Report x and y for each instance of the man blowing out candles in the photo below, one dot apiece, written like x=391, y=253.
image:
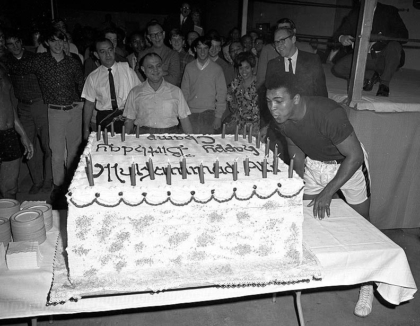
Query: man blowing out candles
x=318, y=128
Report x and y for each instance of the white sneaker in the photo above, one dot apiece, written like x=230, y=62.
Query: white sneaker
x=364, y=304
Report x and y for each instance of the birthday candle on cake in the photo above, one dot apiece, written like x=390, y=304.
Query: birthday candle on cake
x=246, y=166
x=137, y=131
x=264, y=167
x=105, y=136
x=89, y=172
x=224, y=131
x=236, y=132
x=276, y=159
x=244, y=132
x=216, y=168
x=123, y=133
x=201, y=173
x=168, y=173
x=133, y=172
x=151, y=170
x=291, y=166
x=184, y=168
x=250, y=134
x=112, y=129
x=235, y=170
x=267, y=147
x=258, y=140
x=98, y=133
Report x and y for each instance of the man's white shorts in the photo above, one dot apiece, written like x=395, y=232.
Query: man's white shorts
x=319, y=174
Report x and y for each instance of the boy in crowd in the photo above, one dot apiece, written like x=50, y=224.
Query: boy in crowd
x=204, y=88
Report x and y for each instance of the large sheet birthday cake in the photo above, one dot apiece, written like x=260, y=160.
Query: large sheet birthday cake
x=165, y=211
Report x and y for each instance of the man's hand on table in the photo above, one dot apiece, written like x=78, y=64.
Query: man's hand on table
x=321, y=204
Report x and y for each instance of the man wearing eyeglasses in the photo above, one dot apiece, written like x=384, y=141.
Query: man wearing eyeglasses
x=170, y=58
x=182, y=21
x=307, y=70
x=269, y=51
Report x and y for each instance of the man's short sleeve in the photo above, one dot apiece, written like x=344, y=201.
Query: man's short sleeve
x=183, y=109
x=89, y=92
x=130, y=111
x=337, y=126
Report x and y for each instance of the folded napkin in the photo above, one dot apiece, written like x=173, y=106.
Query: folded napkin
x=23, y=255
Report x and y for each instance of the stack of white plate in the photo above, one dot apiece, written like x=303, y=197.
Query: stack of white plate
x=5, y=232
x=8, y=207
x=46, y=210
x=28, y=225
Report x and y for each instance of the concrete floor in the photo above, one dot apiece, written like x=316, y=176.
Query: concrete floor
x=326, y=307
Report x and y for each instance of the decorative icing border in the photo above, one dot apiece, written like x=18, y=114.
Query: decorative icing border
x=144, y=200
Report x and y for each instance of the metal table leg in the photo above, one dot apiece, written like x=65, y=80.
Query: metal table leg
x=299, y=308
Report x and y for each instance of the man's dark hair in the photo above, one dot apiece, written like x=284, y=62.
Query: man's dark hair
x=136, y=33
x=287, y=81
x=52, y=32
x=203, y=40
x=176, y=32
x=109, y=30
x=244, y=37
x=150, y=55
x=289, y=31
x=12, y=33
x=215, y=38
x=102, y=40
x=286, y=21
x=245, y=57
x=153, y=23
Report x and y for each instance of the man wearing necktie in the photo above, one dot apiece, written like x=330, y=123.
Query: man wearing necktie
x=181, y=20
x=307, y=70
x=108, y=86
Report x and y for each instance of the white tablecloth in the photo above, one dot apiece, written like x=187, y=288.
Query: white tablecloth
x=350, y=249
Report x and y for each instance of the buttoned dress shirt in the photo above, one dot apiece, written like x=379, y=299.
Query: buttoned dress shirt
x=97, y=85
x=156, y=109
x=26, y=87
x=61, y=82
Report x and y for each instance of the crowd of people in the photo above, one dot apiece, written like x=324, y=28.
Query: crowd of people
x=177, y=78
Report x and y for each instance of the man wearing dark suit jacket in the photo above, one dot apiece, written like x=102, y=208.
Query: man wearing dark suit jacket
x=182, y=21
x=309, y=77
x=384, y=57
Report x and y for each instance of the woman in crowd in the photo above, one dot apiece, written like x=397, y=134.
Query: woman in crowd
x=196, y=17
x=242, y=98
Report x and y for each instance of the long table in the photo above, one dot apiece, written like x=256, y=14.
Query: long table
x=350, y=249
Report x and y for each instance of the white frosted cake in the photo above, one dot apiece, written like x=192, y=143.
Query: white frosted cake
x=172, y=231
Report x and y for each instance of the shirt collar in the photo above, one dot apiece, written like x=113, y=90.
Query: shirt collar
x=160, y=87
x=293, y=57
x=113, y=67
x=200, y=66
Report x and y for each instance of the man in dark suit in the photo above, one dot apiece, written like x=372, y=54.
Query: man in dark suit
x=309, y=76
x=182, y=21
x=384, y=57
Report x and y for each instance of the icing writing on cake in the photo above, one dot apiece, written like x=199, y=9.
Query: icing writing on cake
x=123, y=171
x=176, y=151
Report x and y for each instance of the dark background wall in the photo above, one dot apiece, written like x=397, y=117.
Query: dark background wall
x=221, y=15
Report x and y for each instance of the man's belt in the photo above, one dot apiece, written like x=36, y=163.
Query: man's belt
x=62, y=107
x=29, y=102
x=152, y=130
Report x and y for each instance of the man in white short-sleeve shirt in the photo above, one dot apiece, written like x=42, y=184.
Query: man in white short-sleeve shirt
x=156, y=105
x=97, y=86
